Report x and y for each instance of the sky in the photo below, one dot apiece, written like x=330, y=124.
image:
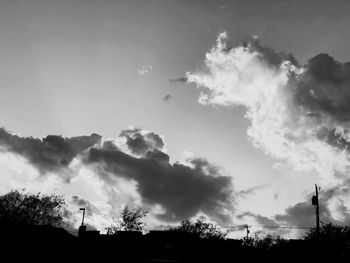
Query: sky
x=186, y=108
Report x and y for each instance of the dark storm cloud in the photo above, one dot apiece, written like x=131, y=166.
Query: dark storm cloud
x=324, y=88
x=300, y=215
x=334, y=138
x=336, y=191
x=140, y=142
x=110, y=145
x=50, y=153
x=181, y=190
x=157, y=155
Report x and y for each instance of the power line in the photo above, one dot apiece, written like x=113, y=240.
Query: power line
x=314, y=202
x=241, y=227
x=290, y=227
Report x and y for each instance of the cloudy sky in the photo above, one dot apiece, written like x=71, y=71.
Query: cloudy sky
x=228, y=110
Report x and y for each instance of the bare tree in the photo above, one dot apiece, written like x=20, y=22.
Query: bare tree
x=129, y=220
x=201, y=229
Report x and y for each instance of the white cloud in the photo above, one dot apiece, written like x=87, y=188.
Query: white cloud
x=261, y=80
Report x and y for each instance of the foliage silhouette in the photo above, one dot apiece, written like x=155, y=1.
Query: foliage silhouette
x=334, y=240
x=129, y=220
x=201, y=229
x=264, y=242
x=329, y=232
x=18, y=207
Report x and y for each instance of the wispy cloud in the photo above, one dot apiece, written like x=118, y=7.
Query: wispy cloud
x=180, y=79
x=167, y=98
x=250, y=191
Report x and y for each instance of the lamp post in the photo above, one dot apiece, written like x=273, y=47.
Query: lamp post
x=247, y=228
x=82, y=221
x=82, y=228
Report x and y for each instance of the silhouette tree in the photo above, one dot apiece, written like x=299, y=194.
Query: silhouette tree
x=129, y=220
x=334, y=240
x=201, y=229
x=264, y=242
x=18, y=207
x=329, y=232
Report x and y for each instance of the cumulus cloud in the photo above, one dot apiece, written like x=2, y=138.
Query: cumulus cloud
x=51, y=153
x=299, y=115
x=135, y=162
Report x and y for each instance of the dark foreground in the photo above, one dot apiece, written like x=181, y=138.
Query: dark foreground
x=48, y=244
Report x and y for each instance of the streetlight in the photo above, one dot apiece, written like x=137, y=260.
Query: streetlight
x=82, y=228
x=82, y=221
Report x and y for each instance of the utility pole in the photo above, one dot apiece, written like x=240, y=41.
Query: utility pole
x=315, y=203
